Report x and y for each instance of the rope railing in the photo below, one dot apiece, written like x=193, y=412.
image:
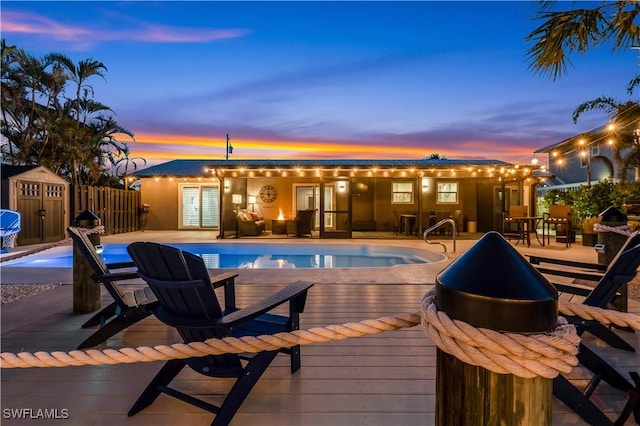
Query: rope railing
x=524, y=355
x=620, y=229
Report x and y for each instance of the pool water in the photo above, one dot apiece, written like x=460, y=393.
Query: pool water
x=257, y=256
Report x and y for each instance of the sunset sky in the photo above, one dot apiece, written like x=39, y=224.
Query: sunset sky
x=322, y=80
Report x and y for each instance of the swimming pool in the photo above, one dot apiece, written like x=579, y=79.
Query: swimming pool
x=257, y=256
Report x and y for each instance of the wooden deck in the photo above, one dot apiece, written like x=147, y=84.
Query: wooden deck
x=384, y=379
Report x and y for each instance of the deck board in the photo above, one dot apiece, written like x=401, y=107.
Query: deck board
x=382, y=379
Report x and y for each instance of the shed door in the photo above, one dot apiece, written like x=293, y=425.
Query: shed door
x=41, y=205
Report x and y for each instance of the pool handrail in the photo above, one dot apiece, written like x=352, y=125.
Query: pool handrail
x=438, y=225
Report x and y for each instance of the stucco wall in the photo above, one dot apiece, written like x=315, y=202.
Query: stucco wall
x=368, y=206
x=162, y=196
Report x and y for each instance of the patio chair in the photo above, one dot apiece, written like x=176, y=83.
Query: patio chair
x=511, y=227
x=303, y=224
x=425, y=219
x=9, y=228
x=622, y=270
x=396, y=222
x=187, y=301
x=128, y=307
x=558, y=217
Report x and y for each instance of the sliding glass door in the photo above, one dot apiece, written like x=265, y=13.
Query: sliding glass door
x=199, y=206
x=307, y=196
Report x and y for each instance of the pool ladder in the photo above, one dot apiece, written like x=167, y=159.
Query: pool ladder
x=443, y=222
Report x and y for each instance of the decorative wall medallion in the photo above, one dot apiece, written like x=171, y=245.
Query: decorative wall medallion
x=268, y=194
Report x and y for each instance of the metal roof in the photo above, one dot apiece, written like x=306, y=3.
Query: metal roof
x=197, y=167
x=571, y=139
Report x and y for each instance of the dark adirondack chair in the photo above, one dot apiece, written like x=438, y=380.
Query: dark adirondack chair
x=128, y=307
x=187, y=301
x=622, y=269
x=617, y=273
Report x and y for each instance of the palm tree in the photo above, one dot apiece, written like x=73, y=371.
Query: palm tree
x=625, y=117
x=79, y=74
x=75, y=137
x=564, y=32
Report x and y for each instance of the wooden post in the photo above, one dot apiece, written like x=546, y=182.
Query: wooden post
x=492, y=286
x=613, y=242
x=86, y=292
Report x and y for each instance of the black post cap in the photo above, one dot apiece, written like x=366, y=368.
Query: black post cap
x=87, y=218
x=613, y=215
x=493, y=286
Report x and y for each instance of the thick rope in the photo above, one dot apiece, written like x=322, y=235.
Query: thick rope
x=555, y=344
x=209, y=347
x=603, y=316
x=97, y=230
x=527, y=356
x=621, y=229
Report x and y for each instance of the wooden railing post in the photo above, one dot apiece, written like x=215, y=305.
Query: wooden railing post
x=492, y=286
x=86, y=292
x=609, y=244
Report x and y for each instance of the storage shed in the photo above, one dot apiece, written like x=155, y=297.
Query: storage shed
x=41, y=197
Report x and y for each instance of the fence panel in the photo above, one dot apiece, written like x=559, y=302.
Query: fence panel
x=118, y=209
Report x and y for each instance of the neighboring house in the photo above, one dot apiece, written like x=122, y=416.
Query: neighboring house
x=572, y=164
x=41, y=197
x=349, y=195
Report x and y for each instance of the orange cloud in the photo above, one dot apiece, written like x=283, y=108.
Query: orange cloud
x=165, y=147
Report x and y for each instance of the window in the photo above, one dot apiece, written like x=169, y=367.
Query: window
x=447, y=193
x=402, y=192
x=594, y=151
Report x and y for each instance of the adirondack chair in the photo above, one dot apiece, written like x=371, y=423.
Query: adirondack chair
x=188, y=302
x=128, y=307
x=621, y=270
x=616, y=274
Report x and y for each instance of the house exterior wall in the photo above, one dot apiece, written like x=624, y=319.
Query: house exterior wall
x=372, y=209
x=162, y=196
x=573, y=169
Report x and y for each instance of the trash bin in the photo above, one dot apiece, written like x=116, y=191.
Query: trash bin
x=472, y=226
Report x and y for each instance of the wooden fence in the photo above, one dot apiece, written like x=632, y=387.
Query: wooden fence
x=118, y=209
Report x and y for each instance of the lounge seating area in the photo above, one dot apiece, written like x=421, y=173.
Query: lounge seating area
x=250, y=223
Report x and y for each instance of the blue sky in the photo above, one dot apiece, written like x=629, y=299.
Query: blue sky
x=397, y=80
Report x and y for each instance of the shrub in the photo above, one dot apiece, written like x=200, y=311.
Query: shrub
x=590, y=201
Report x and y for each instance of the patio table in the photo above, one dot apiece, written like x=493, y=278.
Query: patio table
x=405, y=221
